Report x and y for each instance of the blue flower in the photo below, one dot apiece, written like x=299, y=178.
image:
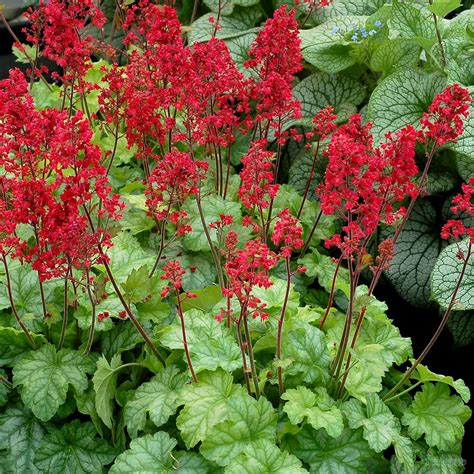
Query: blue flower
x=372, y=32
x=363, y=33
x=378, y=23
x=335, y=29
x=355, y=38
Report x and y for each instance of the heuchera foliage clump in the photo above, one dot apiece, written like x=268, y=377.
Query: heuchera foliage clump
x=161, y=279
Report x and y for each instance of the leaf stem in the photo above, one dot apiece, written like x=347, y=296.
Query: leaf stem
x=253, y=367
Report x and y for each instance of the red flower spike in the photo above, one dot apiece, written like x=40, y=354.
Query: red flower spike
x=288, y=232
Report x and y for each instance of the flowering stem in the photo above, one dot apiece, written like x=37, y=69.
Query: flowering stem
x=253, y=368
x=438, y=36
x=338, y=361
x=13, y=306
x=381, y=266
x=214, y=254
x=242, y=351
x=162, y=246
x=90, y=339
x=436, y=335
x=65, y=311
x=120, y=296
x=310, y=236
x=134, y=320
x=281, y=387
x=331, y=294
x=185, y=341
x=310, y=179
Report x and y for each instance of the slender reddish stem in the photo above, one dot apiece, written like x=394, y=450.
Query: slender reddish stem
x=281, y=387
x=185, y=340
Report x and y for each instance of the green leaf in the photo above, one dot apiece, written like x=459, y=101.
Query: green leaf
x=211, y=344
x=122, y=337
x=423, y=374
x=240, y=23
x=263, y=456
x=401, y=99
x=137, y=287
x=412, y=22
x=393, y=54
x=26, y=294
x=306, y=347
x=339, y=8
x=249, y=420
x=347, y=454
x=226, y=7
x=212, y=206
x=461, y=327
x=154, y=453
x=45, y=376
x=380, y=427
x=323, y=49
x=416, y=252
x=126, y=255
x=206, y=404
x=319, y=90
x=238, y=48
x=21, y=435
x=4, y=388
x=442, y=8
x=105, y=381
x=205, y=299
x=437, y=415
x=464, y=146
x=14, y=345
x=200, y=270
x=157, y=398
x=323, y=268
x=73, y=449
x=379, y=346
x=445, y=276
x=317, y=407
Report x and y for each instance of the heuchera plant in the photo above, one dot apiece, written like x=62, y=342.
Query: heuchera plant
x=168, y=302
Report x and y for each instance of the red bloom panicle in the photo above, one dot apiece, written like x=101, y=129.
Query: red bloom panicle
x=173, y=273
x=362, y=183
x=216, y=100
x=54, y=175
x=246, y=268
x=58, y=28
x=256, y=188
x=323, y=122
x=462, y=203
x=276, y=57
x=173, y=179
x=444, y=121
x=288, y=232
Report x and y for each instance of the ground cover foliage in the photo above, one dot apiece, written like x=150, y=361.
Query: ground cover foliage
x=195, y=213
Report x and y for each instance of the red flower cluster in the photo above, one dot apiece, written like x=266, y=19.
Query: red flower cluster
x=362, y=183
x=323, y=123
x=246, y=268
x=444, y=121
x=288, y=232
x=256, y=188
x=173, y=273
x=57, y=27
x=54, y=182
x=276, y=57
x=462, y=203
